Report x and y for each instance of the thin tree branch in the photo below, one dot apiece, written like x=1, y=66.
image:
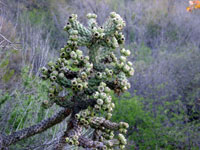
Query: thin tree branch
x=8, y=41
x=5, y=38
x=3, y=4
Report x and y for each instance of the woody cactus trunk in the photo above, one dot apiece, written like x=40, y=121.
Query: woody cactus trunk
x=89, y=81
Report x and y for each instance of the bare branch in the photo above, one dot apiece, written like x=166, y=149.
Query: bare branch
x=8, y=41
x=3, y=4
x=5, y=39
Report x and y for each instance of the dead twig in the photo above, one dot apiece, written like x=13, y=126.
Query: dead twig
x=8, y=41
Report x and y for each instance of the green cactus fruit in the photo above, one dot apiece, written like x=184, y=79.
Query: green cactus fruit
x=100, y=102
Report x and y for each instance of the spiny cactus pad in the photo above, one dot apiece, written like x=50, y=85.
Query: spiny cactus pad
x=89, y=80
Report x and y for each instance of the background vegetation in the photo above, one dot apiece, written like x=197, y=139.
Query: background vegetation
x=163, y=105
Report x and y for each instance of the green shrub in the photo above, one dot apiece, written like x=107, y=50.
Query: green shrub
x=144, y=128
x=156, y=126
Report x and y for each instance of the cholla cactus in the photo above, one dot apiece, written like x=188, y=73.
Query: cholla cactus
x=90, y=79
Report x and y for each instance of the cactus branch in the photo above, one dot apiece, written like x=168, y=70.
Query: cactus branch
x=87, y=143
x=72, y=129
x=93, y=53
x=5, y=141
x=100, y=121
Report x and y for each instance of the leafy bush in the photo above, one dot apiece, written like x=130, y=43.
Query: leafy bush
x=156, y=126
x=145, y=130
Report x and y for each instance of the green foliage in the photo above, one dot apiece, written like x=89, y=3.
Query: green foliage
x=4, y=63
x=36, y=16
x=153, y=30
x=5, y=72
x=4, y=97
x=156, y=126
x=25, y=108
x=144, y=128
x=144, y=53
x=8, y=75
x=32, y=92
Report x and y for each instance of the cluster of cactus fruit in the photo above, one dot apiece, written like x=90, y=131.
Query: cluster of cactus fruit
x=89, y=80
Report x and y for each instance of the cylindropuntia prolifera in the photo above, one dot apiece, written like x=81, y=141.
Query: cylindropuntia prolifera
x=92, y=78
